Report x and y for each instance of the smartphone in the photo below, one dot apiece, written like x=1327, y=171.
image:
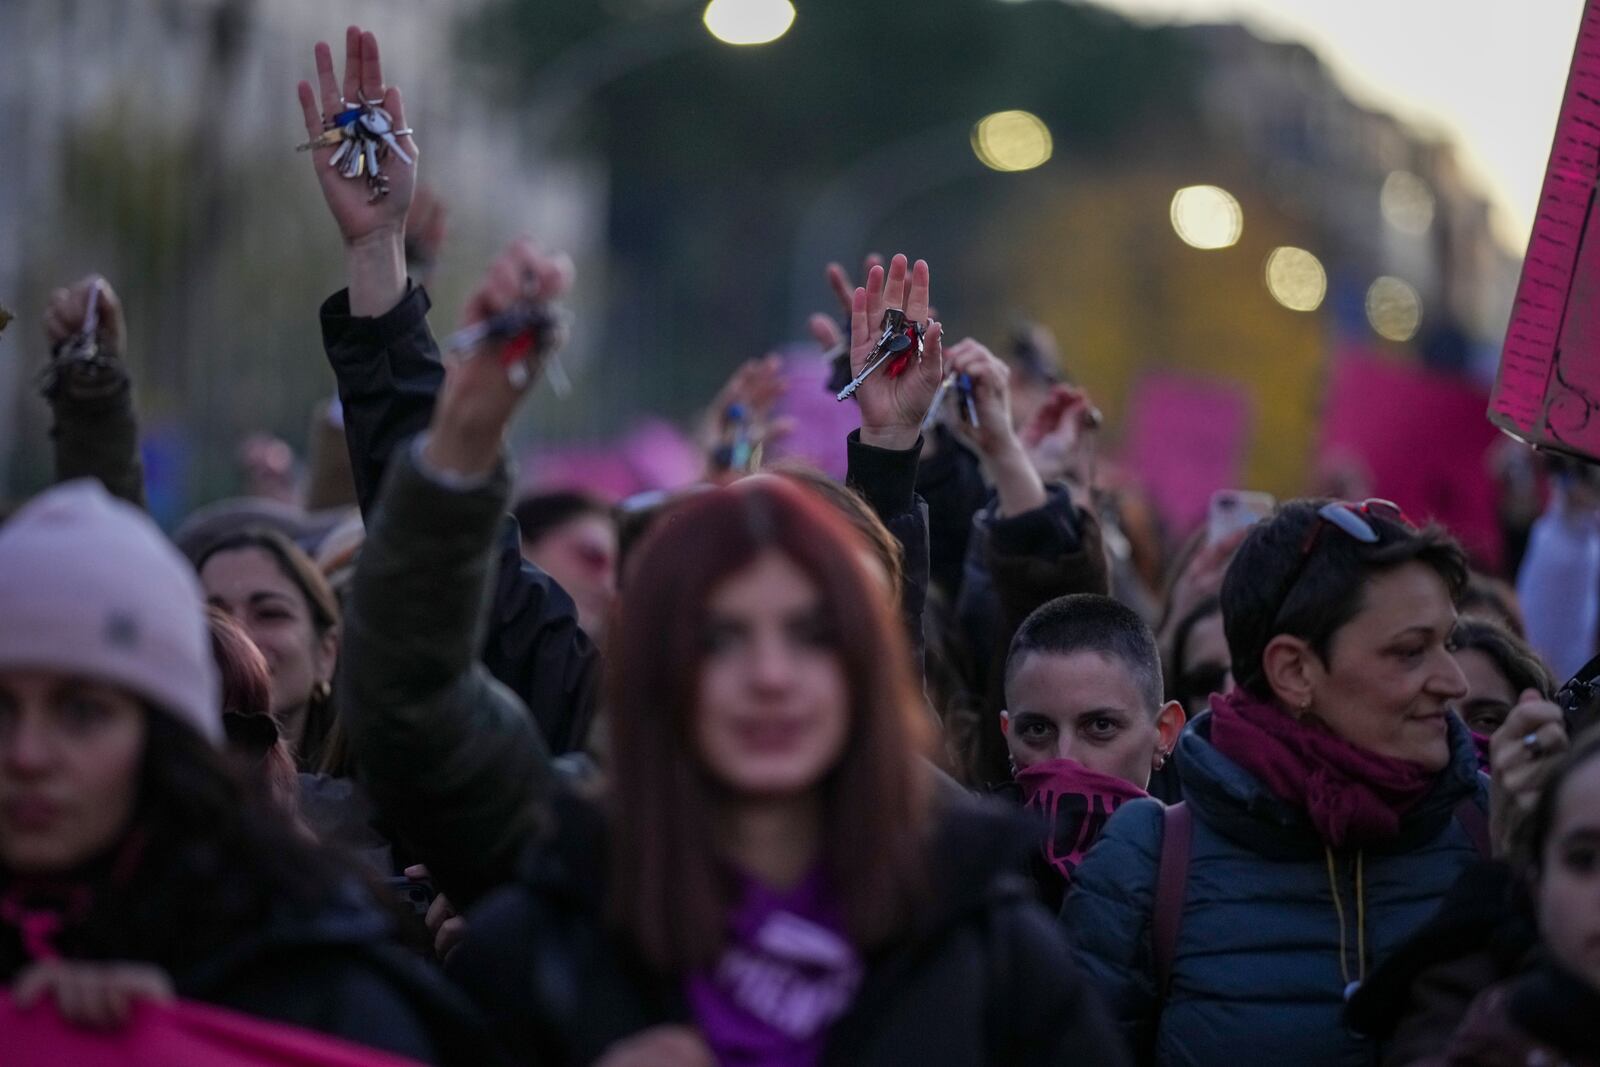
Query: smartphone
x=1233, y=510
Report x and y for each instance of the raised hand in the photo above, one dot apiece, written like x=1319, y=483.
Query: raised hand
x=479, y=395
x=755, y=388
x=96, y=995
x=65, y=313
x=1017, y=484
x=1061, y=437
x=358, y=214
x=892, y=407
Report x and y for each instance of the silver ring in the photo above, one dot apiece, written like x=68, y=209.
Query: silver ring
x=375, y=103
x=1531, y=743
x=404, y=132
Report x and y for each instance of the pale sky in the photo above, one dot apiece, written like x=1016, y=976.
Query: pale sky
x=1487, y=74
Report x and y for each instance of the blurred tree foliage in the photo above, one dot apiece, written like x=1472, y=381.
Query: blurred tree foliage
x=717, y=152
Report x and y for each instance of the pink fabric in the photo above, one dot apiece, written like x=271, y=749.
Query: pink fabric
x=1076, y=802
x=1186, y=439
x=181, y=1034
x=1353, y=797
x=1423, y=437
x=653, y=455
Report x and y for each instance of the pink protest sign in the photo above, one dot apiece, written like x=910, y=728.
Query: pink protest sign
x=1186, y=439
x=181, y=1034
x=1548, y=390
x=1422, y=437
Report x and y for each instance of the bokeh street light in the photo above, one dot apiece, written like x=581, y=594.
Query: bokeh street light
x=1207, y=217
x=1012, y=141
x=745, y=22
x=1394, y=309
x=1295, y=278
x=1407, y=203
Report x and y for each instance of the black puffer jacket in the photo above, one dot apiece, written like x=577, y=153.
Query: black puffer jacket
x=389, y=375
x=984, y=980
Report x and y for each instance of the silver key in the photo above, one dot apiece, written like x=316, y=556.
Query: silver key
x=378, y=123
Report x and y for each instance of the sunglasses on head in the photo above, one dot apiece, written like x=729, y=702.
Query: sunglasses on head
x=1352, y=519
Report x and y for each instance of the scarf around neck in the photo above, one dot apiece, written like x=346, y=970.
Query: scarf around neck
x=1352, y=796
x=1076, y=804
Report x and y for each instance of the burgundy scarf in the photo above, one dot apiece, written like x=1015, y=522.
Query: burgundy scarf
x=1076, y=803
x=1353, y=796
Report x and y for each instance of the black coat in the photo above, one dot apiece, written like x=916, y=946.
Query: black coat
x=984, y=979
x=389, y=375
x=332, y=967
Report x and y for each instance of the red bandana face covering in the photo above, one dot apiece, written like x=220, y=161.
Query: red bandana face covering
x=1076, y=803
x=1352, y=796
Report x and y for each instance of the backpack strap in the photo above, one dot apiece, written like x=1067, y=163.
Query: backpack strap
x=1172, y=876
x=1476, y=824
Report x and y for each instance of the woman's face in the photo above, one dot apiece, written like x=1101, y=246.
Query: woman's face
x=1569, y=880
x=248, y=584
x=1490, y=697
x=581, y=555
x=1084, y=706
x=1390, y=680
x=772, y=710
x=70, y=751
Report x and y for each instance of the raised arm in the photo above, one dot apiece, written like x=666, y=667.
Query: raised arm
x=94, y=427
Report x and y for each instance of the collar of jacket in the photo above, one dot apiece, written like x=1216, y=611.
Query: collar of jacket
x=1234, y=803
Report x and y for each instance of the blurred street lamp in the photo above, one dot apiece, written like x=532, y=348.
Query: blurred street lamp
x=1407, y=203
x=1394, y=309
x=1012, y=141
x=1295, y=279
x=747, y=22
x=1207, y=217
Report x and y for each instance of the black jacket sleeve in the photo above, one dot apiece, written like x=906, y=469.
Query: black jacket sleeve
x=887, y=479
x=951, y=481
x=389, y=374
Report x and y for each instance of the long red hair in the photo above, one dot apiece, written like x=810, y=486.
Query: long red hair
x=670, y=893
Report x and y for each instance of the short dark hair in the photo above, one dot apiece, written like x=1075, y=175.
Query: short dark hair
x=1088, y=622
x=1273, y=587
x=540, y=513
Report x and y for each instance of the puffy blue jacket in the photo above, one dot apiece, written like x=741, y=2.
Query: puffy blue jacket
x=1256, y=975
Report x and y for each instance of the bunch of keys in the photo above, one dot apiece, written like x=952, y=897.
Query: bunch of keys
x=365, y=136
x=962, y=384
x=900, y=341
x=527, y=330
x=741, y=454
x=84, y=346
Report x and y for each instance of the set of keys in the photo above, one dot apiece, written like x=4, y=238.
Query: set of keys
x=739, y=452
x=526, y=330
x=899, y=342
x=79, y=355
x=964, y=390
x=365, y=138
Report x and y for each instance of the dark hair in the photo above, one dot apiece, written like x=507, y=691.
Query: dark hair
x=323, y=746
x=854, y=507
x=1178, y=665
x=251, y=727
x=1534, y=833
x=1088, y=622
x=1510, y=654
x=1490, y=597
x=1273, y=587
x=670, y=895
x=208, y=860
x=540, y=513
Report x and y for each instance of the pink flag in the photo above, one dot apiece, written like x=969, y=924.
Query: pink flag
x=181, y=1034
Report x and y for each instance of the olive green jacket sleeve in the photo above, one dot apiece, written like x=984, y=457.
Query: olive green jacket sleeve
x=451, y=756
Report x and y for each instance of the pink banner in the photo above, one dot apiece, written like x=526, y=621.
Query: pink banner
x=1186, y=439
x=1423, y=437
x=1548, y=390
x=183, y=1034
